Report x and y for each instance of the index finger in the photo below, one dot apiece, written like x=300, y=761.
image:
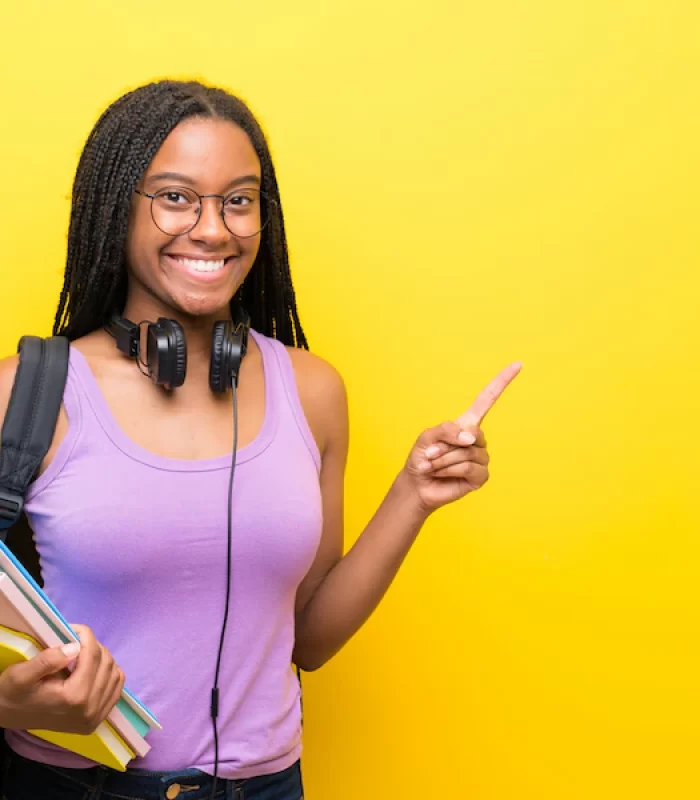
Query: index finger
x=486, y=399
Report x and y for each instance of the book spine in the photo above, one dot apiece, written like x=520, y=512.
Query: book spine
x=127, y=731
x=39, y=628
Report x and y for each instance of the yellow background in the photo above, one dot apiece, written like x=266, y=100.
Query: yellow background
x=465, y=183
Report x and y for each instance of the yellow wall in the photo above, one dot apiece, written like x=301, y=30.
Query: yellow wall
x=465, y=183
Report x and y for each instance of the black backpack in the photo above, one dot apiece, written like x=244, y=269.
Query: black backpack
x=27, y=433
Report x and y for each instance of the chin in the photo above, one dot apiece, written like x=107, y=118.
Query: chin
x=205, y=306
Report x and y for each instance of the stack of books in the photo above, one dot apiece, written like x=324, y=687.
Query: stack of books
x=30, y=622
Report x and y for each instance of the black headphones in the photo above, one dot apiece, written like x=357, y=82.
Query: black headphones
x=166, y=349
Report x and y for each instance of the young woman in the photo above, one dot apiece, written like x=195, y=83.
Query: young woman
x=176, y=215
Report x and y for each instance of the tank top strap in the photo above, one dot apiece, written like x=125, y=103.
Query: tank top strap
x=73, y=405
x=282, y=386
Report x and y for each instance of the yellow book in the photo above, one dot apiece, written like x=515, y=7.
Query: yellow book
x=103, y=745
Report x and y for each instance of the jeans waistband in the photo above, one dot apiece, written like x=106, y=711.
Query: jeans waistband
x=27, y=779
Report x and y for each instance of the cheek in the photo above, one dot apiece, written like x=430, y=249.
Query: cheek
x=250, y=248
x=143, y=244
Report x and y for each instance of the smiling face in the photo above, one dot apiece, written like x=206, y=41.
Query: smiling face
x=196, y=273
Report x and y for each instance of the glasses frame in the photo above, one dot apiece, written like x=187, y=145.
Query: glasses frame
x=221, y=197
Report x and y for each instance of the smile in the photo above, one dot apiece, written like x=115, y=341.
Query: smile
x=199, y=264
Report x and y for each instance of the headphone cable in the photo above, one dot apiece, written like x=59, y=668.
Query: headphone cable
x=215, y=689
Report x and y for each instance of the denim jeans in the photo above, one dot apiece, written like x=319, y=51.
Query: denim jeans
x=29, y=780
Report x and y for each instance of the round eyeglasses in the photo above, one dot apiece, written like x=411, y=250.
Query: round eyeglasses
x=176, y=210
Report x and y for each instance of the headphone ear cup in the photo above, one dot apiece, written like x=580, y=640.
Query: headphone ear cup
x=220, y=364
x=167, y=353
x=179, y=356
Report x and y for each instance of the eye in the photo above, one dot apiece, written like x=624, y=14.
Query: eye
x=176, y=198
x=240, y=201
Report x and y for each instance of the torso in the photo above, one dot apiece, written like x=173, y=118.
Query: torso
x=131, y=529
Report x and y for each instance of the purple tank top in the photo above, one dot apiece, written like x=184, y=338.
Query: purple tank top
x=134, y=545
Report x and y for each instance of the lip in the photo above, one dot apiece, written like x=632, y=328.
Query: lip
x=200, y=256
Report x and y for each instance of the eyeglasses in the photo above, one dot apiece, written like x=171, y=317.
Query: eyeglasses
x=176, y=210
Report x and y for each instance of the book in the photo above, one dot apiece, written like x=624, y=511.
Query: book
x=19, y=614
x=16, y=647
x=129, y=717
x=132, y=709
x=104, y=745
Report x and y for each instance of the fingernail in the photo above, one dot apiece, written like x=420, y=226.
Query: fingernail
x=72, y=649
x=424, y=466
x=432, y=451
x=467, y=438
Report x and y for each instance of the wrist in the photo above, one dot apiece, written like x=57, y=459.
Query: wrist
x=404, y=494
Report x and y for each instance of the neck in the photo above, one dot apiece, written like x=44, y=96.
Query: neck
x=197, y=329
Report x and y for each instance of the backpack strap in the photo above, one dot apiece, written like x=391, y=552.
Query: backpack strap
x=30, y=420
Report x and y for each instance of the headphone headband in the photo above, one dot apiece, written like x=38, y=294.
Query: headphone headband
x=127, y=335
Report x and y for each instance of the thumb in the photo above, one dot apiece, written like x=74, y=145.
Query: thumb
x=46, y=663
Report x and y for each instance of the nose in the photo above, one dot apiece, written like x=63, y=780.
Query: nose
x=210, y=226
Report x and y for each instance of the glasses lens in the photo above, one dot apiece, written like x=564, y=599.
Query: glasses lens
x=244, y=214
x=175, y=210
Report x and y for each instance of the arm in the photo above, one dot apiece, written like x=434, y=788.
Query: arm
x=8, y=370
x=332, y=608
x=340, y=592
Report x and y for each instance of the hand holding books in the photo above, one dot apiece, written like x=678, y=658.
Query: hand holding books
x=43, y=693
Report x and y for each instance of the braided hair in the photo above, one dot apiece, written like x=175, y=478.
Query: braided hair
x=118, y=151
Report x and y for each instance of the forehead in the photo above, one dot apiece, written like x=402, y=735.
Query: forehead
x=207, y=151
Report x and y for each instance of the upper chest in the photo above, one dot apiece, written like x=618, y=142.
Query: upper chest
x=190, y=423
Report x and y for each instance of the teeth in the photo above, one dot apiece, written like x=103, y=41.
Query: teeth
x=201, y=266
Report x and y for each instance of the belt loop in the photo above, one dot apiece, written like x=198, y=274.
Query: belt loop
x=100, y=777
x=232, y=791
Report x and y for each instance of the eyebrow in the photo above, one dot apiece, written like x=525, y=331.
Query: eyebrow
x=177, y=176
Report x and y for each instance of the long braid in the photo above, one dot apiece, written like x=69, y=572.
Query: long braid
x=118, y=150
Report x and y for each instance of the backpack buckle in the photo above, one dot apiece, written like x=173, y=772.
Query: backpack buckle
x=11, y=506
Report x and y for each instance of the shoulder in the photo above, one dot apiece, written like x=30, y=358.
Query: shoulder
x=8, y=370
x=316, y=375
x=323, y=397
